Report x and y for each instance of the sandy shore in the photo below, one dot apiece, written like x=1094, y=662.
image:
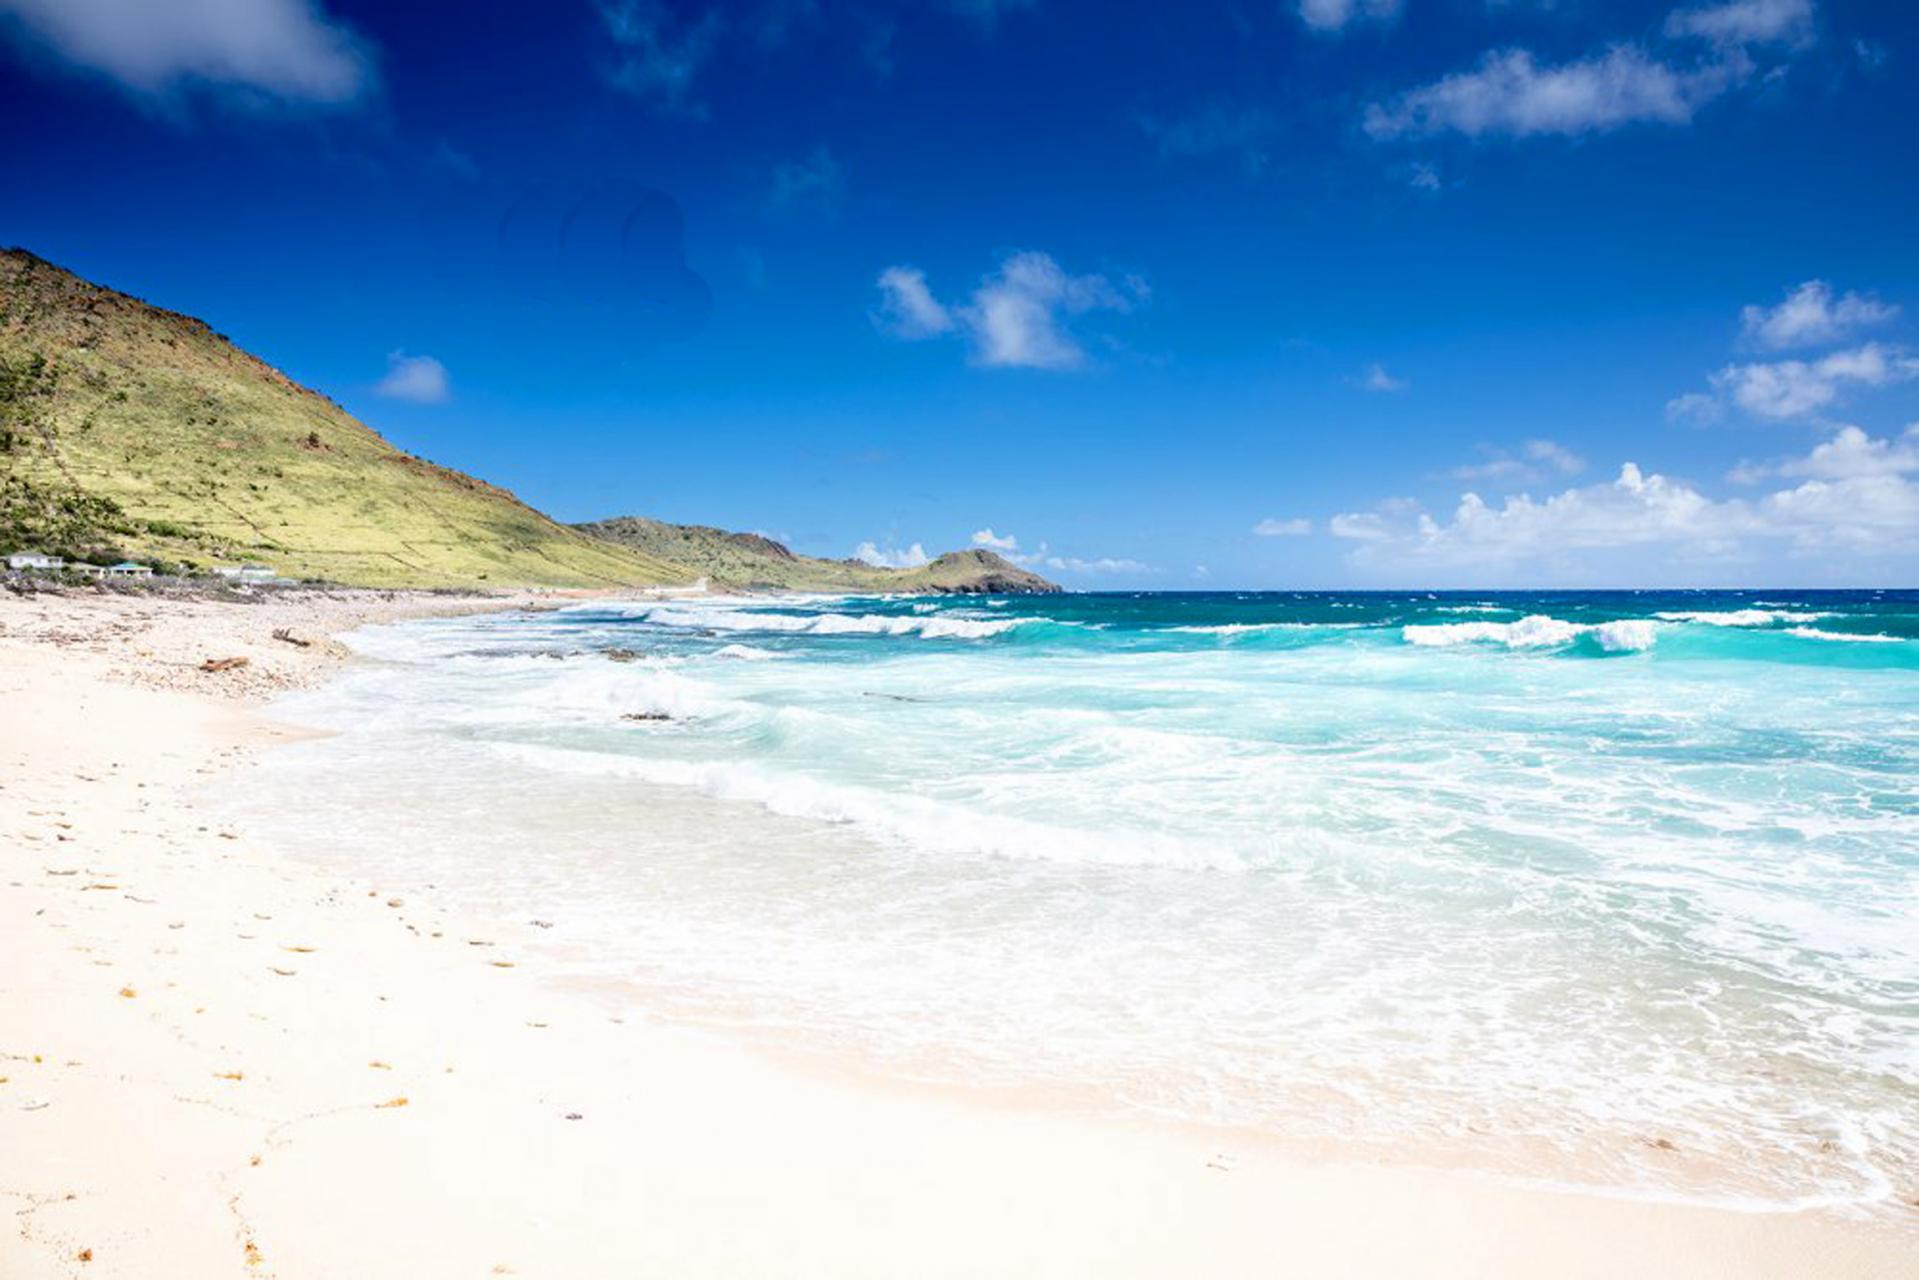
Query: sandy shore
x=218, y=1062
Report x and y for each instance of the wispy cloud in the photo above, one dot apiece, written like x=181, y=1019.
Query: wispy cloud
x=1044, y=557
x=1244, y=134
x=815, y=180
x=908, y=309
x=1744, y=21
x=1511, y=94
x=659, y=54
x=1534, y=460
x=289, y=52
x=1334, y=15
x=1276, y=527
x=1375, y=378
x=418, y=379
x=1020, y=316
x=1812, y=315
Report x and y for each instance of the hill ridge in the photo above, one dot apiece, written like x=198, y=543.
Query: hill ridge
x=127, y=428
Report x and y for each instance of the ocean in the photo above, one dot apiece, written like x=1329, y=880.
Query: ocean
x=1614, y=890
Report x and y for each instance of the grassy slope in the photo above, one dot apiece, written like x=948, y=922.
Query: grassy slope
x=210, y=454
x=748, y=560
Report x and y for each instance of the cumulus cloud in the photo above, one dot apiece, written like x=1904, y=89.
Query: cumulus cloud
x=1019, y=316
x=419, y=379
x=995, y=541
x=1744, y=21
x=1334, y=15
x=1850, y=454
x=1275, y=527
x=288, y=51
x=1812, y=315
x=1855, y=493
x=1509, y=93
x=1782, y=389
x=892, y=557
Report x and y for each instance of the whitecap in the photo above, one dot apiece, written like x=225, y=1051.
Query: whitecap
x=1816, y=633
x=1536, y=631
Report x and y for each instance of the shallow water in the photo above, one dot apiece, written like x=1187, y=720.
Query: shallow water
x=1615, y=889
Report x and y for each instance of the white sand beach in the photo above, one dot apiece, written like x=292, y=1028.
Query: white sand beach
x=217, y=1061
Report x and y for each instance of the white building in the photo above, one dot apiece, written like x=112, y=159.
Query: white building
x=34, y=560
x=128, y=569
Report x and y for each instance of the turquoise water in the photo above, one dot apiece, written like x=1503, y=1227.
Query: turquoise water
x=1617, y=889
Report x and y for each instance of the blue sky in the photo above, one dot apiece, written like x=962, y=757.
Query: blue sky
x=1286, y=294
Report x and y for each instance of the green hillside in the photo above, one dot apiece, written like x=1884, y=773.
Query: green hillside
x=129, y=430
x=749, y=561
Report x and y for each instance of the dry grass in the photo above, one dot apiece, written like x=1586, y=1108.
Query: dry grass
x=216, y=457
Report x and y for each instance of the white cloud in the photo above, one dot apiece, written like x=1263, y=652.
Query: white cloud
x=1695, y=406
x=994, y=541
x=908, y=308
x=1811, y=316
x=1850, y=454
x=1744, y=21
x=1274, y=527
x=892, y=557
x=285, y=50
x=814, y=180
x=1856, y=493
x=1017, y=317
x=1333, y=15
x=1535, y=459
x=1509, y=93
x=1105, y=564
x=1046, y=558
x=1365, y=526
x=421, y=379
x=1794, y=388
x=1377, y=379
x=1423, y=176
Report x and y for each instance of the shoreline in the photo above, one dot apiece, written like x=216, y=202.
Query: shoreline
x=220, y=1061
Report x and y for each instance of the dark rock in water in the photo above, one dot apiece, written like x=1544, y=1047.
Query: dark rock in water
x=646, y=715
x=622, y=655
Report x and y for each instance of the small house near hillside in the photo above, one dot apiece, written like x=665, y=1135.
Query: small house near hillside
x=247, y=572
x=128, y=569
x=34, y=561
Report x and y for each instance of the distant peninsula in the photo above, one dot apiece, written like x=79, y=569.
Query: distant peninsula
x=752, y=561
